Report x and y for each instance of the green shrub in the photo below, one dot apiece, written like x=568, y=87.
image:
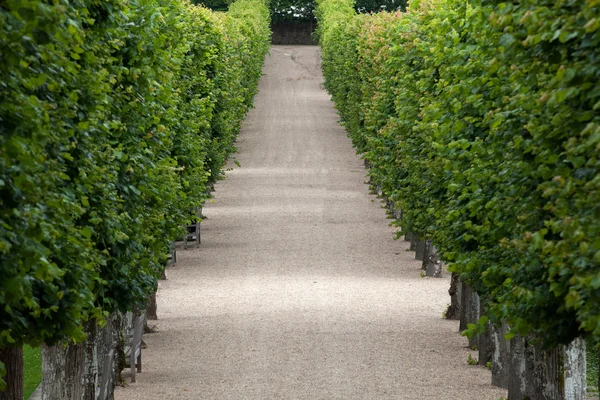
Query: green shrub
x=116, y=117
x=487, y=138
x=49, y=264
x=245, y=43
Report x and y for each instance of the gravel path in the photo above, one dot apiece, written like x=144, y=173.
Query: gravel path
x=299, y=290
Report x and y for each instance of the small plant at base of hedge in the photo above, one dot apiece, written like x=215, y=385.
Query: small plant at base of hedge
x=472, y=361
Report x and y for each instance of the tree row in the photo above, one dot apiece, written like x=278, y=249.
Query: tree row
x=116, y=118
x=480, y=121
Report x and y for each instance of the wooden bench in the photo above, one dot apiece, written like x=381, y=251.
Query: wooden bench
x=133, y=355
x=106, y=379
x=192, y=232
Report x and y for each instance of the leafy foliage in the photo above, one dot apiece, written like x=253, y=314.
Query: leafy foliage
x=370, y=6
x=215, y=5
x=304, y=10
x=292, y=11
x=487, y=137
x=115, y=118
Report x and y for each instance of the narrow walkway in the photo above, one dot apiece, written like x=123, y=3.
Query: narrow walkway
x=299, y=290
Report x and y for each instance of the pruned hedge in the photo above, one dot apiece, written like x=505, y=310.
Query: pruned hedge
x=481, y=122
x=115, y=118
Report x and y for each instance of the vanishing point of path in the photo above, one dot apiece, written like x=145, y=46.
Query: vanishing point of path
x=298, y=290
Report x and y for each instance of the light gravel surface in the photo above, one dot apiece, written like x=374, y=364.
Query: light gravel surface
x=298, y=290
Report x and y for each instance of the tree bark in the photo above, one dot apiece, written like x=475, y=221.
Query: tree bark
x=420, y=250
x=475, y=313
x=408, y=237
x=413, y=242
x=432, y=264
x=90, y=375
x=63, y=372
x=151, y=308
x=465, y=298
x=455, y=295
x=99, y=342
x=397, y=213
x=390, y=206
x=106, y=340
x=12, y=358
x=469, y=312
x=500, y=356
x=120, y=326
x=375, y=188
x=517, y=384
x=554, y=374
x=575, y=370
x=485, y=343
x=485, y=346
x=547, y=374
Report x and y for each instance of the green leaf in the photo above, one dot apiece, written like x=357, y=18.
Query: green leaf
x=87, y=232
x=509, y=335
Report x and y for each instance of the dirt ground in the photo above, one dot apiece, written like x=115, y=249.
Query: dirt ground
x=298, y=290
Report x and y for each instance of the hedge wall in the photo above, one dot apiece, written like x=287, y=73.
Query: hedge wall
x=480, y=120
x=115, y=118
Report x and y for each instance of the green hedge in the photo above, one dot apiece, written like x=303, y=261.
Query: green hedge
x=116, y=117
x=245, y=42
x=481, y=122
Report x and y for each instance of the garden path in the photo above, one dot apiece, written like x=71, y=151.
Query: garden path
x=298, y=290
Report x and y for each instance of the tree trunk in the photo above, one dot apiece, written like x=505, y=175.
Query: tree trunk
x=533, y=372
x=455, y=297
x=432, y=264
x=485, y=346
x=485, y=342
x=500, y=356
x=413, y=242
x=12, y=358
x=575, y=370
x=408, y=237
x=397, y=213
x=375, y=188
x=120, y=326
x=92, y=361
x=151, y=308
x=475, y=313
x=106, y=340
x=547, y=374
x=469, y=311
x=390, y=206
x=464, y=302
x=555, y=374
x=63, y=372
x=517, y=383
x=420, y=250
